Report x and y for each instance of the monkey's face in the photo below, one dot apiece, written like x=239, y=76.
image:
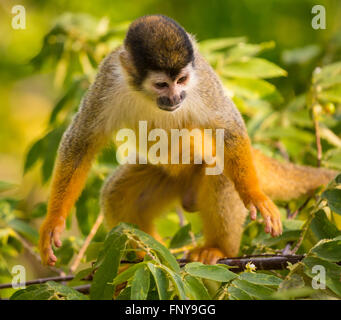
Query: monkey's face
x=168, y=92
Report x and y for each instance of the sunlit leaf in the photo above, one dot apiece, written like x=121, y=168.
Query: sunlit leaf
x=212, y=272
x=253, y=68
x=260, y=278
x=140, y=283
x=333, y=197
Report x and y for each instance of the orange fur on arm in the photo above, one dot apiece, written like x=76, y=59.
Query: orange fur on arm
x=67, y=184
x=239, y=166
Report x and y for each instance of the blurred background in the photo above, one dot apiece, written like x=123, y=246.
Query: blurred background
x=36, y=75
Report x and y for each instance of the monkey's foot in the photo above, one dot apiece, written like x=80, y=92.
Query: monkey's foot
x=206, y=255
x=50, y=232
x=269, y=212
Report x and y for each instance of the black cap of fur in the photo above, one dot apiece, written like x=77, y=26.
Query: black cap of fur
x=158, y=43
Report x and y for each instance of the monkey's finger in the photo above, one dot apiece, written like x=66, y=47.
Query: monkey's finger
x=277, y=229
x=266, y=216
x=268, y=224
x=253, y=211
x=52, y=258
x=56, y=238
x=48, y=256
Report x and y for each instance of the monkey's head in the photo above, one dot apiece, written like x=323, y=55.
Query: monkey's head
x=159, y=59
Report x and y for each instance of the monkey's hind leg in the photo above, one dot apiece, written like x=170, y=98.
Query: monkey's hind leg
x=137, y=194
x=223, y=214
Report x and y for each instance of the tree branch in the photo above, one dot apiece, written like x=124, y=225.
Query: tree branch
x=261, y=262
x=87, y=241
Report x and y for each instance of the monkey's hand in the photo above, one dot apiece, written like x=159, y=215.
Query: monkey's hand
x=269, y=212
x=206, y=255
x=50, y=233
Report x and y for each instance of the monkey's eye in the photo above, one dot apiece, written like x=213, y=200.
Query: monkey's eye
x=182, y=79
x=161, y=84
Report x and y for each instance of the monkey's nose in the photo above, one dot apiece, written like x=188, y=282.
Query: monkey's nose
x=176, y=99
x=169, y=103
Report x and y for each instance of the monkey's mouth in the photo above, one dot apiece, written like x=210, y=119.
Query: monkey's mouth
x=169, y=108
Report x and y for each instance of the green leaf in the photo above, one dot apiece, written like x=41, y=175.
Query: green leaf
x=66, y=251
x=102, y=287
x=322, y=227
x=127, y=274
x=254, y=290
x=332, y=94
x=294, y=293
x=177, y=282
x=195, y=289
x=140, y=283
x=212, y=272
x=69, y=94
x=87, y=206
x=242, y=50
x=82, y=274
x=51, y=143
x=299, y=135
x=333, y=159
x=39, y=210
x=182, y=237
x=253, y=68
x=291, y=235
x=301, y=55
x=327, y=72
x=35, y=152
x=260, y=278
x=161, y=251
x=329, y=250
x=93, y=250
x=238, y=294
x=48, y=291
x=161, y=280
x=338, y=179
x=253, y=89
x=124, y=294
x=219, y=43
x=24, y=229
x=333, y=197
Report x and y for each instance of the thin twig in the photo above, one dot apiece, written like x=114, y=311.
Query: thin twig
x=318, y=138
x=87, y=241
x=180, y=214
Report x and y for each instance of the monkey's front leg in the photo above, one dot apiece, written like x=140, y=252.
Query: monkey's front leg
x=240, y=168
x=67, y=183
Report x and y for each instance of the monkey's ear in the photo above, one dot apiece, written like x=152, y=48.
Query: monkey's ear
x=127, y=63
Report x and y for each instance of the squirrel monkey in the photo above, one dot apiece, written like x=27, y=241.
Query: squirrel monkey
x=159, y=76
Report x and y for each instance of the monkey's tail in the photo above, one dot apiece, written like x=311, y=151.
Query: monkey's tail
x=285, y=181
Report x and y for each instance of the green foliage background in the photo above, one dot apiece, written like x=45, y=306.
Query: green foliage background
x=282, y=74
